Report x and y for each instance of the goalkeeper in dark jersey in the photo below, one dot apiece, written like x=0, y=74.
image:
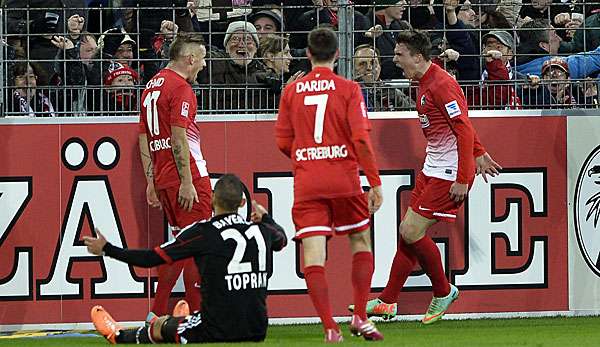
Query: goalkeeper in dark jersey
x=234, y=258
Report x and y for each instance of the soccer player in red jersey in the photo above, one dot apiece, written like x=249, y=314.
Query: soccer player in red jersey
x=175, y=169
x=323, y=127
x=454, y=156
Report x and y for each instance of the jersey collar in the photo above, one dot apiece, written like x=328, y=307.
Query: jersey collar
x=429, y=74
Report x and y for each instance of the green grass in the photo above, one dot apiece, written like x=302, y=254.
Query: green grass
x=579, y=332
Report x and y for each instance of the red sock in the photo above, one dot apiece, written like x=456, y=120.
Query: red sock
x=319, y=294
x=403, y=264
x=362, y=273
x=191, y=277
x=431, y=261
x=167, y=277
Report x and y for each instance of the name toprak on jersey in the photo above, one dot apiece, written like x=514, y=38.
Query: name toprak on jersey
x=247, y=280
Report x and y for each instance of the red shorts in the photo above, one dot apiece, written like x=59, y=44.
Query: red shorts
x=431, y=198
x=324, y=216
x=177, y=216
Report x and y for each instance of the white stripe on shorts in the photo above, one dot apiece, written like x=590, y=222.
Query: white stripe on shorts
x=352, y=226
x=444, y=215
x=311, y=229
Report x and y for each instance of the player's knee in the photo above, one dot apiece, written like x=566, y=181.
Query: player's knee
x=361, y=241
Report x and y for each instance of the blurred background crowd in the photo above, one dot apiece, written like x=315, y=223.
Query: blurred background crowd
x=93, y=57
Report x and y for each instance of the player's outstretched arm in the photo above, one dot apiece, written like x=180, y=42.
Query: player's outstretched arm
x=487, y=166
x=137, y=257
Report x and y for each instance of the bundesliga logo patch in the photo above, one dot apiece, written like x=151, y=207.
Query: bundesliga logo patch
x=185, y=108
x=453, y=109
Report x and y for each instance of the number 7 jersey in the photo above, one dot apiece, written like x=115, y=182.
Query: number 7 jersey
x=321, y=113
x=169, y=100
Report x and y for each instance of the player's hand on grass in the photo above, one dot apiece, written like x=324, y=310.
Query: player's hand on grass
x=375, y=197
x=258, y=211
x=458, y=191
x=95, y=245
x=487, y=166
x=152, y=197
x=187, y=196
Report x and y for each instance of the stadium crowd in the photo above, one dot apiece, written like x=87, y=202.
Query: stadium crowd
x=93, y=57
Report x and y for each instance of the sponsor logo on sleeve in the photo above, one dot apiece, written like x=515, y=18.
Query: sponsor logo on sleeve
x=453, y=109
x=185, y=109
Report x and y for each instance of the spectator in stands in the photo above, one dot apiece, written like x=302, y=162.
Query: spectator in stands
x=510, y=9
x=275, y=53
x=421, y=14
x=27, y=100
x=38, y=24
x=119, y=96
x=385, y=22
x=378, y=95
x=116, y=45
x=497, y=90
x=586, y=38
x=237, y=73
x=325, y=12
x=274, y=50
x=214, y=16
x=543, y=9
x=71, y=72
x=555, y=90
x=148, y=16
x=459, y=39
x=267, y=22
x=539, y=42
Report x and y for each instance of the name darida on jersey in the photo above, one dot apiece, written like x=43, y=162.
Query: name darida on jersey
x=322, y=152
x=314, y=86
x=250, y=280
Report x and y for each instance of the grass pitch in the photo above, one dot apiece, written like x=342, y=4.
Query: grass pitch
x=562, y=331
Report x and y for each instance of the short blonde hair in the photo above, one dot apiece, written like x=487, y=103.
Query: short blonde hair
x=181, y=43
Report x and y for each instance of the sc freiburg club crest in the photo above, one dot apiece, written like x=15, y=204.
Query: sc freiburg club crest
x=587, y=210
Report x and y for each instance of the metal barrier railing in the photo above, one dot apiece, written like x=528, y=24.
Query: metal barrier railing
x=71, y=80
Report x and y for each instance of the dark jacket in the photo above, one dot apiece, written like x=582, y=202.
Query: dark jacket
x=75, y=98
x=21, y=22
x=386, y=43
x=461, y=41
x=312, y=19
x=228, y=86
x=592, y=37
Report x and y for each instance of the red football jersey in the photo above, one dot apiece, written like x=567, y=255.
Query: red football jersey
x=169, y=100
x=321, y=112
x=451, y=140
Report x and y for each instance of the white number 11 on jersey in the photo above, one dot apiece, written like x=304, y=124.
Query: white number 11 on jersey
x=321, y=101
x=152, y=112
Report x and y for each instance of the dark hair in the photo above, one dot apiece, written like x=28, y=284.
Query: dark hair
x=228, y=192
x=534, y=32
x=181, y=41
x=322, y=44
x=496, y=20
x=416, y=41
